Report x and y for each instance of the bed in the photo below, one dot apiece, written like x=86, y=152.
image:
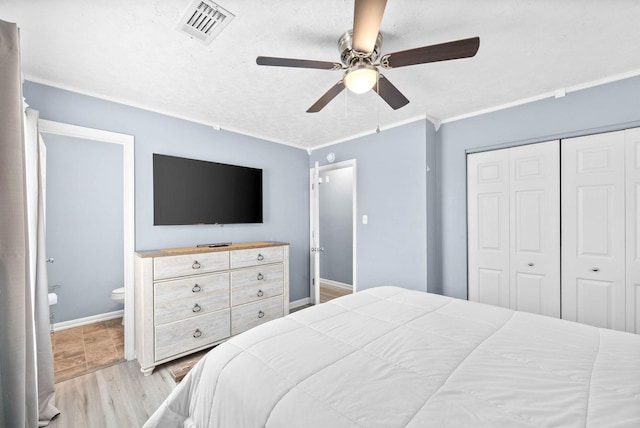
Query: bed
x=391, y=357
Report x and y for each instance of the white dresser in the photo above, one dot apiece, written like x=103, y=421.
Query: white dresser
x=188, y=299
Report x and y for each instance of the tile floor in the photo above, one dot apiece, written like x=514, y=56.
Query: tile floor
x=83, y=349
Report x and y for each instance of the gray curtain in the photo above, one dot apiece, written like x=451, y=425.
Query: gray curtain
x=36, y=195
x=21, y=306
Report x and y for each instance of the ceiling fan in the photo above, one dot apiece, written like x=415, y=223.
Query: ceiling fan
x=359, y=50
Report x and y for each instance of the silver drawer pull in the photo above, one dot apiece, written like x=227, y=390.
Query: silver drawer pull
x=196, y=308
x=260, y=314
x=260, y=257
x=195, y=265
x=260, y=293
x=196, y=288
x=197, y=333
x=530, y=264
x=260, y=277
x=595, y=269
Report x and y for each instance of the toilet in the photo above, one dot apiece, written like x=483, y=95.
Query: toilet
x=117, y=295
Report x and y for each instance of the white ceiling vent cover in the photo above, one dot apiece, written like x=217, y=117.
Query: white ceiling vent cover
x=204, y=20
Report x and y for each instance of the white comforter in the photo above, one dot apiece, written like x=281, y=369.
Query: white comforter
x=389, y=357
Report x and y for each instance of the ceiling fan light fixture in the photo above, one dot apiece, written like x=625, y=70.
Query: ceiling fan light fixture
x=360, y=78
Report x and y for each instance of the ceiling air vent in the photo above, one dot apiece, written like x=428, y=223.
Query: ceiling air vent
x=204, y=20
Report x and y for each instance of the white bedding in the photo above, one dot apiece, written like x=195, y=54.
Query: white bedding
x=390, y=357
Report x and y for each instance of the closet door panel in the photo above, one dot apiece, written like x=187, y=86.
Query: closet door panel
x=488, y=227
x=632, y=143
x=593, y=230
x=595, y=302
x=535, y=228
x=529, y=292
x=491, y=286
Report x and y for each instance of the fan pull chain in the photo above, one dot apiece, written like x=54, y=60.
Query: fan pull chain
x=346, y=94
x=378, y=104
x=346, y=104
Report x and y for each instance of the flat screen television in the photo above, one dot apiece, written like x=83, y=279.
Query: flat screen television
x=190, y=191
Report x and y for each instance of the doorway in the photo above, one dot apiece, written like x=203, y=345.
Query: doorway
x=127, y=158
x=333, y=230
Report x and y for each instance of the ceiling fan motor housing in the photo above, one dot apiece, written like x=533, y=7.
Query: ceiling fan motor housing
x=350, y=57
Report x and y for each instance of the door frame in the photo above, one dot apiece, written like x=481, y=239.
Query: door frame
x=314, y=294
x=127, y=143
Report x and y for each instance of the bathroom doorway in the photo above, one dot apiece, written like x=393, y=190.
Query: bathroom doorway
x=79, y=229
x=333, y=231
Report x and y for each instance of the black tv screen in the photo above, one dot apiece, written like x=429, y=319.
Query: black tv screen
x=190, y=191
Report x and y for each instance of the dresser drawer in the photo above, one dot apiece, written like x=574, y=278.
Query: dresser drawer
x=256, y=257
x=253, y=314
x=189, y=297
x=192, y=333
x=250, y=285
x=189, y=264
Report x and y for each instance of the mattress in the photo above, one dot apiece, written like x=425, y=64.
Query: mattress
x=391, y=357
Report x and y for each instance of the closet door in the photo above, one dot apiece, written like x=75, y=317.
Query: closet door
x=632, y=142
x=593, y=230
x=535, y=228
x=488, y=227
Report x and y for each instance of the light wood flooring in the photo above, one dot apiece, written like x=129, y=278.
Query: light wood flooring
x=330, y=292
x=116, y=396
x=120, y=395
x=87, y=348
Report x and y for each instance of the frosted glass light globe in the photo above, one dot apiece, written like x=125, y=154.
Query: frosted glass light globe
x=361, y=78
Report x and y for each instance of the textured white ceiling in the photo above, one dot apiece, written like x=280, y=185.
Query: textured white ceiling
x=129, y=51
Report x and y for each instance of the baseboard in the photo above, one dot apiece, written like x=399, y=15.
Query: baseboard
x=337, y=284
x=299, y=303
x=87, y=320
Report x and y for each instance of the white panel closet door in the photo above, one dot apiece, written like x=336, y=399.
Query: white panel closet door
x=632, y=142
x=593, y=230
x=488, y=227
x=535, y=228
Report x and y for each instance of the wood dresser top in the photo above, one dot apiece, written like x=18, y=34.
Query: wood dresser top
x=191, y=250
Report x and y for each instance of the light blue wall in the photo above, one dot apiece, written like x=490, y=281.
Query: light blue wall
x=604, y=108
x=416, y=236
x=392, y=190
x=285, y=173
x=336, y=225
x=85, y=232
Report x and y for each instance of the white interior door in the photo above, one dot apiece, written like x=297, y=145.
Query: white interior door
x=317, y=247
x=632, y=142
x=593, y=230
x=488, y=227
x=314, y=191
x=534, y=199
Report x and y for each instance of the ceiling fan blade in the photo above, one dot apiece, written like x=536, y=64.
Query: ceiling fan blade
x=442, y=52
x=390, y=93
x=367, y=17
x=299, y=63
x=327, y=97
